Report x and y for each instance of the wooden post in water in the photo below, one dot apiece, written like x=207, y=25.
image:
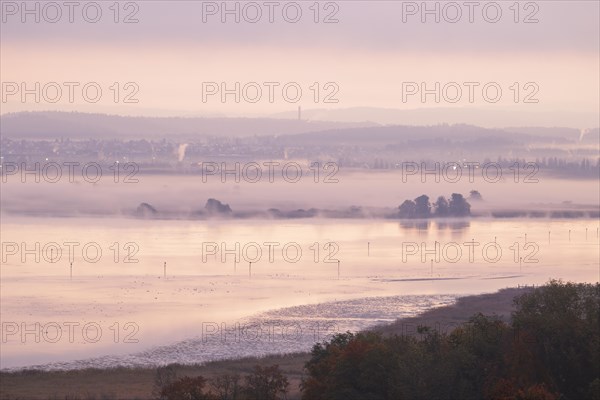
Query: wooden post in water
x=250, y=270
x=432, y=267
x=165, y=270
x=548, y=237
x=586, y=229
x=71, y=272
x=234, y=265
x=368, y=249
x=520, y=264
x=569, y=235
x=525, y=238
x=338, y=270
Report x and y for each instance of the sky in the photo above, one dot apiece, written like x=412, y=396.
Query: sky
x=179, y=57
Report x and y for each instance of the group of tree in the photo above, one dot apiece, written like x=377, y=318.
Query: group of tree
x=215, y=207
x=550, y=350
x=456, y=206
x=264, y=383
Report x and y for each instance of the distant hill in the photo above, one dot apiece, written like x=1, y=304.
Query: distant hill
x=586, y=136
x=290, y=133
x=400, y=134
x=457, y=133
x=102, y=126
x=490, y=117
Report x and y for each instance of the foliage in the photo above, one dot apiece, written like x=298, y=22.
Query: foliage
x=549, y=351
x=422, y=207
x=475, y=195
x=441, y=207
x=264, y=383
x=456, y=206
x=407, y=209
x=227, y=387
x=164, y=376
x=186, y=388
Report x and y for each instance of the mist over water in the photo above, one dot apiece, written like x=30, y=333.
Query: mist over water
x=205, y=285
x=186, y=194
x=157, y=286
x=183, y=182
x=424, y=151
x=164, y=267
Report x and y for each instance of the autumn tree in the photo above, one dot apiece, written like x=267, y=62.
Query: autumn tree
x=227, y=387
x=549, y=351
x=186, y=388
x=266, y=383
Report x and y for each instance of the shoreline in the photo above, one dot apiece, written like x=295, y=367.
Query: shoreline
x=137, y=382
x=357, y=213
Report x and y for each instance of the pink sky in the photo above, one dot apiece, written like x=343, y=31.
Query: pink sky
x=368, y=55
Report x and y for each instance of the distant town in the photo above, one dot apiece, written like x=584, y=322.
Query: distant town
x=170, y=156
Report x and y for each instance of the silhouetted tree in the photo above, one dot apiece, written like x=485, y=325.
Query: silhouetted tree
x=458, y=206
x=164, y=376
x=407, y=209
x=550, y=351
x=475, y=195
x=562, y=321
x=216, y=207
x=186, y=388
x=227, y=387
x=422, y=207
x=145, y=210
x=266, y=383
x=441, y=207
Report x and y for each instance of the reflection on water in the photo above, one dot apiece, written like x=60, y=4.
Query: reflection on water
x=178, y=281
x=283, y=330
x=457, y=226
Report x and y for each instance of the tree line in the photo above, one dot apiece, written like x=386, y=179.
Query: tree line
x=455, y=206
x=264, y=383
x=549, y=351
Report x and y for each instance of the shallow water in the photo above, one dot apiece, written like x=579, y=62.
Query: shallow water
x=139, y=313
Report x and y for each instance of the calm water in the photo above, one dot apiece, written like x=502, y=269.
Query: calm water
x=127, y=312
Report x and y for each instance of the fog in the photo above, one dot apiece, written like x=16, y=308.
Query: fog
x=183, y=195
x=171, y=304
x=372, y=103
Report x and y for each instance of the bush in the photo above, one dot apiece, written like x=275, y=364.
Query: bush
x=266, y=383
x=186, y=388
x=549, y=351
